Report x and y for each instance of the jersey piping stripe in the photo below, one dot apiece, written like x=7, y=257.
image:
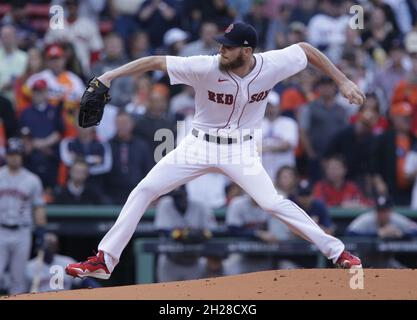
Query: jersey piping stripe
x=262, y=63
x=234, y=101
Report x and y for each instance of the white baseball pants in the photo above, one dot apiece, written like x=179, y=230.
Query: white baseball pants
x=194, y=157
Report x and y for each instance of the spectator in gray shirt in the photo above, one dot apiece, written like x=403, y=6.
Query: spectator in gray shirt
x=205, y=45
x=382, y=223
x=319, y=122
x=114, y=56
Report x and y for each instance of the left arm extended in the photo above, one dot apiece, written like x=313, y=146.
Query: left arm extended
x=347, y=87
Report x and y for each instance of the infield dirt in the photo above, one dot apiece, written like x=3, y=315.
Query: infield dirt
x=281, y=284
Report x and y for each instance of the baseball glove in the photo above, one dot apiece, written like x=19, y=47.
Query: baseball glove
x=92, y=103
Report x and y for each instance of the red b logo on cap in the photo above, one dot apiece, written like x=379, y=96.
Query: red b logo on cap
x=229, y=28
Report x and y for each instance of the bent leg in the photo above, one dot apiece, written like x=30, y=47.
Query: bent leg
x=259, y=186
x=165, y=176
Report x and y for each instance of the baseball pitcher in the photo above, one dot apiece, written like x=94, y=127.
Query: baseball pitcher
x=230, y=99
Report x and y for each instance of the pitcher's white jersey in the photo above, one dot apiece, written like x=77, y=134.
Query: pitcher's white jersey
x=227, y=102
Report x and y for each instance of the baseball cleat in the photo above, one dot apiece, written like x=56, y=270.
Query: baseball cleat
x=348, y=261
x=93, y=267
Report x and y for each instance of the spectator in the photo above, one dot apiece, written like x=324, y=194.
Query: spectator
x=258, y=20
x=22, y=93
x=380, y=33
x=139, y=45
x=8, y=125
x=355, y=143
x=132, y=160
x=244, y=218
x=40, y=271
x=389, y=14
x=82, y=32
x=327, y=29
x=77, y=191
x=410, y=169
x=177, y=217
x=17, y=16
x=213, y=197
x=286, y=180
x=63, y=86
x=298, y=92
x=335, y=189
x=73, y=64
x=205, y=45
x=304, y=11
x=372, y=103
x=155, y=118
x=13, y=61
x=140, y=98
x=43, y=123
x=232, y=190
x=406, y=89
x=393, y=71
x=217, y=11
x=114, y=56
x=279, y=137
x=51, y=259
x=240, y=8
x=86, y=146
x=174, y=41
x=389, y=154
x=90, y=9
x=382, y=223
x=156, y=17
x=315, y=208
x=124, y=15
x=278, y=29
x=319, y=122
x=21, y=208
x=403, y=10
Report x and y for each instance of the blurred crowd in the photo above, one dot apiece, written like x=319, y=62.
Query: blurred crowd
x=317, y=148
x=350, y=153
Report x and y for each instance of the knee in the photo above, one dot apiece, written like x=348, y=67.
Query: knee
x=147, y=189
x=270, y=203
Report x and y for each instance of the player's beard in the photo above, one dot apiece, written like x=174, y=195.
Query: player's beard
x=236, y=63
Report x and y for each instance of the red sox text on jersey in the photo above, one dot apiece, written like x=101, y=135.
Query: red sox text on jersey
x=224, y=98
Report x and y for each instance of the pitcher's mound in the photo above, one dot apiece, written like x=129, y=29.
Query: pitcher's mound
x=282, y=284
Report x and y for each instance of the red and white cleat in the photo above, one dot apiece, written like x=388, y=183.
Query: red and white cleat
x=94, y=267
x=348, y=261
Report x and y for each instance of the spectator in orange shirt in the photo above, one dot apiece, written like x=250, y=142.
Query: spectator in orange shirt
x=35, y=64
x=335, y=189
x=389, y=154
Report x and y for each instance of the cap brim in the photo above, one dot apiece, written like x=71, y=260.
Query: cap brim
x=225, y=41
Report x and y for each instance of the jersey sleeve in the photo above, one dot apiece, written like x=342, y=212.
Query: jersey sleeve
x=286, y=62
x=188, y=70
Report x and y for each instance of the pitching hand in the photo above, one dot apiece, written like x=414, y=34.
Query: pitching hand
x=352, y=92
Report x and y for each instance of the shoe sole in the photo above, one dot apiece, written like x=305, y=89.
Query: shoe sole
x=356, y=266
x=80, y=274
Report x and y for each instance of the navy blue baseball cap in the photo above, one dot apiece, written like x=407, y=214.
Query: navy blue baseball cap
x=384, y=202
x=239, y=34
x=14, y=146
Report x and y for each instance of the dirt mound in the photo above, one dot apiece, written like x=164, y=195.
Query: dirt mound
x=282, y=284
